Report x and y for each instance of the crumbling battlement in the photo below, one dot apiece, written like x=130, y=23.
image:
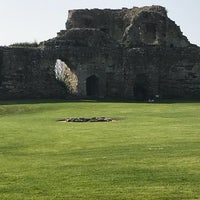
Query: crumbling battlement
x=136, y=53
x=132, y=27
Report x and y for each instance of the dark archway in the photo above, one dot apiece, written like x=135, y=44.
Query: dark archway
x=140, y=88
x=92, y=86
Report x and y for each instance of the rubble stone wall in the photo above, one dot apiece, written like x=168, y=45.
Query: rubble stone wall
x=26, y=73
x=133, y=53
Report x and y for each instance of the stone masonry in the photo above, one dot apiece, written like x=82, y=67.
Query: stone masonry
x=136, y=53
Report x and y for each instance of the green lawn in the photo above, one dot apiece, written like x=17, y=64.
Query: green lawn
x=150, y=151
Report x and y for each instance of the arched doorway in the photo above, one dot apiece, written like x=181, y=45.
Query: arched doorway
x=140, y=88
x=92, y=86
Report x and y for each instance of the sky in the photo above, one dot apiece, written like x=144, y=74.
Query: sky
x=39, y=20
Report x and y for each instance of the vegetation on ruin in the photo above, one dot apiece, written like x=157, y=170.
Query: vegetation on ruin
x=151, y=151
x=25, y=44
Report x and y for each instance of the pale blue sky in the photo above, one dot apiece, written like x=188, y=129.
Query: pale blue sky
x=29, y=20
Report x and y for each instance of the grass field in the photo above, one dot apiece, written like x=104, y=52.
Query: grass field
x=150, y=151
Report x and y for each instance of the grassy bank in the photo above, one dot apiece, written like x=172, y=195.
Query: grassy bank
x=150, y=151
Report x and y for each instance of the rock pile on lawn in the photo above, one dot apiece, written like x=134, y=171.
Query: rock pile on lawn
x=93, y=119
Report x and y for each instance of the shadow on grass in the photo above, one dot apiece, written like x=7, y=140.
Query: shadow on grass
x=97, y=100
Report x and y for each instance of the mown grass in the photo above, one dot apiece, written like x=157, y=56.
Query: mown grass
x=150, y=151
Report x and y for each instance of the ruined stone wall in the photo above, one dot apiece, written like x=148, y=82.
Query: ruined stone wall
x=129, y=53
x=168, y=72
x=111, y=22
x=96, y=55
x=132, y=27
x=1, y=66
x=26, y=73
x=140, y=61
x=180, y=75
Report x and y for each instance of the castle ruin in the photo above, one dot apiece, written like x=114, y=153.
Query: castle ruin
x=133, y=53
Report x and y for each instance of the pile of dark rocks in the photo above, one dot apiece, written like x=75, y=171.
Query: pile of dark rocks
x=92, y=119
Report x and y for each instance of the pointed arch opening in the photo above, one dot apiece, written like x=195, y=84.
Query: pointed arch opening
x=92, y=86
x=141, y=87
